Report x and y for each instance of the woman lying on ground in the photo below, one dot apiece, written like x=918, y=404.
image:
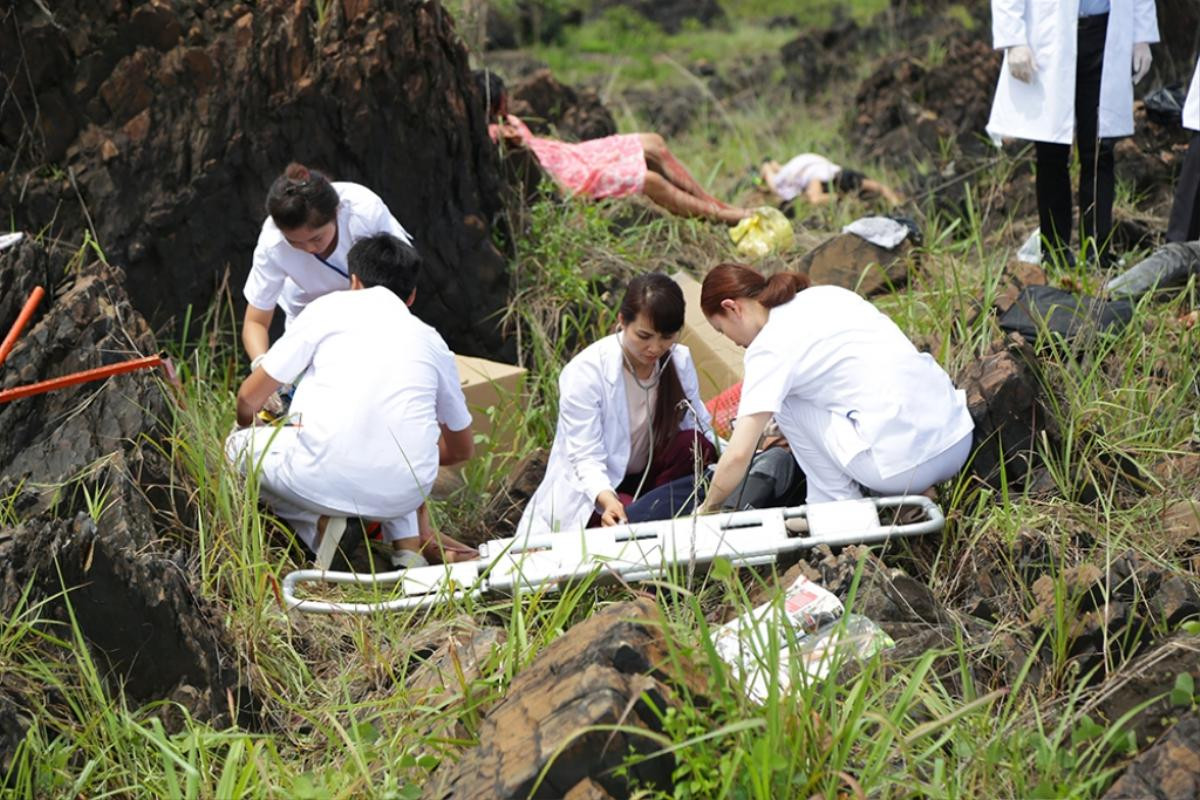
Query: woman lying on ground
x=630, y=418
x=861, y=409
x=820, y=180
x=614, y=166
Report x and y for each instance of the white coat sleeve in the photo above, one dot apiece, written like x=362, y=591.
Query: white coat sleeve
x=264, y=284
x=697, y=416
x=385, y=222
x=581, y=427
x=1008, y=23
x=1145, y=21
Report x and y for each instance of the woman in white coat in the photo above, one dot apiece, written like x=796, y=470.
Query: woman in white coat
x=630, y=419
x=860, y=408
x=301, y=254
x=1184, y=225
x=1069, y=69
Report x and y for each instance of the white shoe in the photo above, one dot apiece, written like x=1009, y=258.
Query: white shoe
x=334, y=528
x=400, y=559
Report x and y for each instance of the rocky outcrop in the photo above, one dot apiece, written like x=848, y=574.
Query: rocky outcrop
x=540, y=740
x=1169, y=769
x=550, y=107
x=159, y=126
x=92, y=498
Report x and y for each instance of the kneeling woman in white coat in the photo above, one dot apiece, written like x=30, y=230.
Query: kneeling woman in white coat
x=630, y=419
x=861, y=409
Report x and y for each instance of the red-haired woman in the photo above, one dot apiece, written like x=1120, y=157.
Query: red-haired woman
x=861, y=409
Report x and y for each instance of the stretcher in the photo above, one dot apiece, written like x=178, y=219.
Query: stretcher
x=629, y=553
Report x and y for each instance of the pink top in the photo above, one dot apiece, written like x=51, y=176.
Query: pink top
x=614, y=166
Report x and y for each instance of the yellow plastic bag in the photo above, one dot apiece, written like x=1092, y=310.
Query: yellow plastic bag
x=766, y=231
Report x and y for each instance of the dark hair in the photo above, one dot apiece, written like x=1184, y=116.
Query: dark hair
x=661, y=300
x=492, y=90
x=384, y=260
x=301, y=197
x=731, y=281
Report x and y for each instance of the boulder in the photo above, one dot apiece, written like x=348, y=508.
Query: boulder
x=549, y=107
x=670, y=15
x=610, y=669
x=853, y=263
x=1170, y=768
x=1004, y=396
x=165, y=145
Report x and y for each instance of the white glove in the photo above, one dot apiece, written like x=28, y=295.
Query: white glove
x=1141, y=60
x=1021, y=63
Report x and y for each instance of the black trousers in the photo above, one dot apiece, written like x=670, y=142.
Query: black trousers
x=1096, y=180
x=1185, y=211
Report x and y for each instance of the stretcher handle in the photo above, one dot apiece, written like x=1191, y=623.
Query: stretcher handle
x=10, y=341
x=294, y=579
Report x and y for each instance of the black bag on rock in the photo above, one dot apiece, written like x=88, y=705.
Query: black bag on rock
x=1068, y=315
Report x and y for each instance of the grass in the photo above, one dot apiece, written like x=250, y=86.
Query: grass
x=999, y=713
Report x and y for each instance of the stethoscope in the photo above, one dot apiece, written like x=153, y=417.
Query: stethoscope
x=646, y=387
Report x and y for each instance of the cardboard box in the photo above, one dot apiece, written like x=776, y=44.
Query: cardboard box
x=489, y=384
x=718, y=360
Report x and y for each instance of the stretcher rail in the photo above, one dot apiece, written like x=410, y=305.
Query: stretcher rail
x=630, y=553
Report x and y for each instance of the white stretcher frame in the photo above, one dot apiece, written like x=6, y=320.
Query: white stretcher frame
x=629, y=553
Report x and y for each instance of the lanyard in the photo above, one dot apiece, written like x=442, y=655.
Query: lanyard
x=333, y=267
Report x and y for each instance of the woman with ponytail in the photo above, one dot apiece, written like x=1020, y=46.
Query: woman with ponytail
x=302, y=249
x=861, y=409
x=630, y=419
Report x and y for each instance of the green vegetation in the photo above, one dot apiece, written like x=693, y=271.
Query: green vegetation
x=338, y=718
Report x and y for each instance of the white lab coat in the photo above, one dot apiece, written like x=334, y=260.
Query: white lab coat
x=592, y=440
x=1191, y=106
x=1044, y=109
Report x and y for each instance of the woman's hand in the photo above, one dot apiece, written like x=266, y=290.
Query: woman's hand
x=611, y=510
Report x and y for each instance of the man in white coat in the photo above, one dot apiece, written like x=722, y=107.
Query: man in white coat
x=1184, y=225
x=1069, y=69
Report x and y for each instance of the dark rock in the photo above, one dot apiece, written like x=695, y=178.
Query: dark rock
x=1151, y=675
x=906, y=110
x=1167, y=770
x=1004, y=396
x=606, y=670
x=1017, y=275
x=549, y=107
x=670, y=15
x=381, y=95
x=853, y=263
x=528, y=22
x=587, y=789
x=14, y=722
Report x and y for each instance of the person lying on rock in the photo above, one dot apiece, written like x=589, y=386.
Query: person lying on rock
x=630, y=419
x=615, y=166
x=302, y=249
x=820, y=181
x=861, y=409
x=379, y=408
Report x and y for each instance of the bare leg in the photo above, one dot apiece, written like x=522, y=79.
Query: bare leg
x=438, y=547
x=664, y=162
x=893, y=198
x=682, y=204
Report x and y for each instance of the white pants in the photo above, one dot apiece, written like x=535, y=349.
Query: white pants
x=829, y=480
x=265, y=449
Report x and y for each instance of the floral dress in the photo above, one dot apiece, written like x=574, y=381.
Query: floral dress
x=614, y=166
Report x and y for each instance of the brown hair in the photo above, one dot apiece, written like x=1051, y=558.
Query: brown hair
x=731, y=281
x=661, y=300
x=301, y=196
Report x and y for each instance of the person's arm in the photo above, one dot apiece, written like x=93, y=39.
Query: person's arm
x=612, y=512
x=815, y=193
x=732, y=466
x=256, y=325
x=1145, y=22
x=884, y=191
x=581, y=431
x=1008, y=24
x=455, y=447
x=252, y=395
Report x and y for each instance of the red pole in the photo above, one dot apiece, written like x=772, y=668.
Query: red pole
x=10, y=341
x=63, y=381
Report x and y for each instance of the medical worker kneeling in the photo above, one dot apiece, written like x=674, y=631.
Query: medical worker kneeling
x=861, y=409
x=630, y=419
